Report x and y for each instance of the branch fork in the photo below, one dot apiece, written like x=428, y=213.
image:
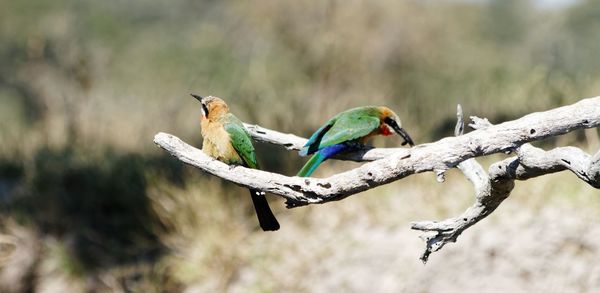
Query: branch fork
x=491, y=187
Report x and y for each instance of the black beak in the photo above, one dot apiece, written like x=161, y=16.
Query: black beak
x=199, y=98
x=400, y=131
x=204, y=108
x=405, y=136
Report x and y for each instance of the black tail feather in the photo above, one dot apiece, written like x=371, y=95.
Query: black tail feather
x=266, y=219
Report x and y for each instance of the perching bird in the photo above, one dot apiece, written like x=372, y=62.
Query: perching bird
x=227, y=140
x=345, y=129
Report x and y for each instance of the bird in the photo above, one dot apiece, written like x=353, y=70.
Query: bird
x=227, y=140
x=347, y=129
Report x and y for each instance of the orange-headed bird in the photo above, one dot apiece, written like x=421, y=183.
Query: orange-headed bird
x=227, y=140
x=344, y=130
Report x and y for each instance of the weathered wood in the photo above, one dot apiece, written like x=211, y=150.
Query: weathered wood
x=491, y=189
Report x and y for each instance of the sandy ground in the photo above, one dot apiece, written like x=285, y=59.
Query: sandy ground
x=537, y=241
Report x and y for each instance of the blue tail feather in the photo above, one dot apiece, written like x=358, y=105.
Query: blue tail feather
x=319, y=158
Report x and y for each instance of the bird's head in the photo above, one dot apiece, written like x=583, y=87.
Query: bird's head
x=212, y=107
x=390, y=120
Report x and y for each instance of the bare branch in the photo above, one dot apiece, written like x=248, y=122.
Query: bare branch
x=594, y=168
x=287, y=140
x=448, y=230
x=441, y=155
x=437, y=157
x=493, y=189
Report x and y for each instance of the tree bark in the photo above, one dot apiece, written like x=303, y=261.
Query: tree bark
x=491, y=187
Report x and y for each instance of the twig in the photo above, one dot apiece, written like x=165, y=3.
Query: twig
x=493, y=189
x=486, y=201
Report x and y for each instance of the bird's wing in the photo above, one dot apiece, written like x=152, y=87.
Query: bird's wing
x=349, y=127
x=240, y=140
x=312, y=145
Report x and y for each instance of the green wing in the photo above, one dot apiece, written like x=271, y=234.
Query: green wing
x=312, y=145
x=346, y=126
x=350, y=126
x=240, y=139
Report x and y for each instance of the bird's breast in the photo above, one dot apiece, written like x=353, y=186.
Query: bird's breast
x=217, y=143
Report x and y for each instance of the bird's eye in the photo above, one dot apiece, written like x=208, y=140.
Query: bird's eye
x=204, y=109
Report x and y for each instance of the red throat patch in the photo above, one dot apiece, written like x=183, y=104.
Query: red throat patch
x=385, y=130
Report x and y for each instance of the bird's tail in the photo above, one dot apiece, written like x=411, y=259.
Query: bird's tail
x=319, y=157
x=311, y=165
x=265, y=216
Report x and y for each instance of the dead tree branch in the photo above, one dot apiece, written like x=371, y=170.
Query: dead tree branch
x=488, y=196
x=491, y=188
x=494, y=188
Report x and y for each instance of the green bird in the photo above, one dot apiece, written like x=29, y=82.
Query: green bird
x=227, y=140
x=345, y=130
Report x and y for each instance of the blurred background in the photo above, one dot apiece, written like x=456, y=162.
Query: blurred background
x=89, y=203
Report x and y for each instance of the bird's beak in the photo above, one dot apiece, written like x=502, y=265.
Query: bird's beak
x=197, y=97
x=405, y=136
x=204, y=108
x=401, y=132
